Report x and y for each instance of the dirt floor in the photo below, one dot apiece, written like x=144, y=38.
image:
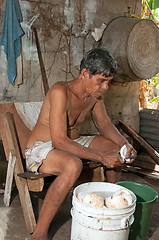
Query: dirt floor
x=12, y=226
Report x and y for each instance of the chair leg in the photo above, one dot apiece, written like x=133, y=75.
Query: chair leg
x=25, y=200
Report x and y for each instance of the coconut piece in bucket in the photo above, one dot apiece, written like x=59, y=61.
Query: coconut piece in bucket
x=92, y=199
x=120, y=199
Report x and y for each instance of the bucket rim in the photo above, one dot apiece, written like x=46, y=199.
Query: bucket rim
x=103, y=208
x=142, y=185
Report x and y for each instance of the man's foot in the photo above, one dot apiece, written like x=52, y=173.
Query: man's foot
x=35, y=237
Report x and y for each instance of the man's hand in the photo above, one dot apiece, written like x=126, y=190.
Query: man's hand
x=111, y=160
x=128, y=153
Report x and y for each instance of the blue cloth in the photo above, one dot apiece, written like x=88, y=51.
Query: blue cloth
x=10, y=37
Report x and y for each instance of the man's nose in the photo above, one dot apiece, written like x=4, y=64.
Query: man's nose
x=105, y=86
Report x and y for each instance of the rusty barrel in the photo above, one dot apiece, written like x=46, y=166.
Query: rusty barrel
x=134, y=43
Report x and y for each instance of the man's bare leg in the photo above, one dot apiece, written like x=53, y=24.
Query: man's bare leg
x=113, y=176
x=70, y=168
x=102, y=144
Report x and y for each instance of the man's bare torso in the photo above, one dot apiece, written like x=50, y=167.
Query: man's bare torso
x=76, y=111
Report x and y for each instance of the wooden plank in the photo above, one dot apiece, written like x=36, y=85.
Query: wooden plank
x=33, y=176
x=35, y=181
x=21, y=183
x=145, y=162
x=152, y=152
x=144, y=172
x=9, y=179
x=35, y=185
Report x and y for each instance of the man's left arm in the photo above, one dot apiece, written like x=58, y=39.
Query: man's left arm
x=109, y=131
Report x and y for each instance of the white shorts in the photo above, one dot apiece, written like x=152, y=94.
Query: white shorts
x=38, y=152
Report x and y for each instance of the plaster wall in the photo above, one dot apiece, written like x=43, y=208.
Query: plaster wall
x=65, y=32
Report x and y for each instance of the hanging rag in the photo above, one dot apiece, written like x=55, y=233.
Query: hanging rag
x=10, y=37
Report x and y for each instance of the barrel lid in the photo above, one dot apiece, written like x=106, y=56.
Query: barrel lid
x=143, y=49
x=134, y=43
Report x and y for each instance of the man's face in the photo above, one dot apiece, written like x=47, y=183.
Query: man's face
x=97, y=84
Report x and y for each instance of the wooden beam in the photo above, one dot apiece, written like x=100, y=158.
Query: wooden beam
x=21, y=183
x=150, y=150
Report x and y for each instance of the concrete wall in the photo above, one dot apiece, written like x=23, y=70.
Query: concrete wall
x=65, y=32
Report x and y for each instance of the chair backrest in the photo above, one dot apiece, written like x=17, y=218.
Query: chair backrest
x=23, y=132
x=29, y=112
x=12, y=144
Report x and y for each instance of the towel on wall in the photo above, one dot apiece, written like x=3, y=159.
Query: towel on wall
x=10, y=37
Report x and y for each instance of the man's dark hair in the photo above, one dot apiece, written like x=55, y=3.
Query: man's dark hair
x=97, y=61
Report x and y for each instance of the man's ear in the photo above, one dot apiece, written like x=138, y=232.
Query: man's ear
x=84, y=73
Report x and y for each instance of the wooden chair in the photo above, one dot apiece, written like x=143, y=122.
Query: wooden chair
x=21, y=183
x=14, y=140
x=14, y=135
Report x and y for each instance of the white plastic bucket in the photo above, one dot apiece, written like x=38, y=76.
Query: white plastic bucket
x=93, y=223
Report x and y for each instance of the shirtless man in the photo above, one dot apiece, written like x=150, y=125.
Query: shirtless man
x=54, y=144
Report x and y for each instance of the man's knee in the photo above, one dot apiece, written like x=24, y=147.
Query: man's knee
x=74, y=166
x=103, y=144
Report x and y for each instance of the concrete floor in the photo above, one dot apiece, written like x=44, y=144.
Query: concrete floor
x=12, y=226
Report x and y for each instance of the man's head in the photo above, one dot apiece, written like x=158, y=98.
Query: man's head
x=99, y=61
